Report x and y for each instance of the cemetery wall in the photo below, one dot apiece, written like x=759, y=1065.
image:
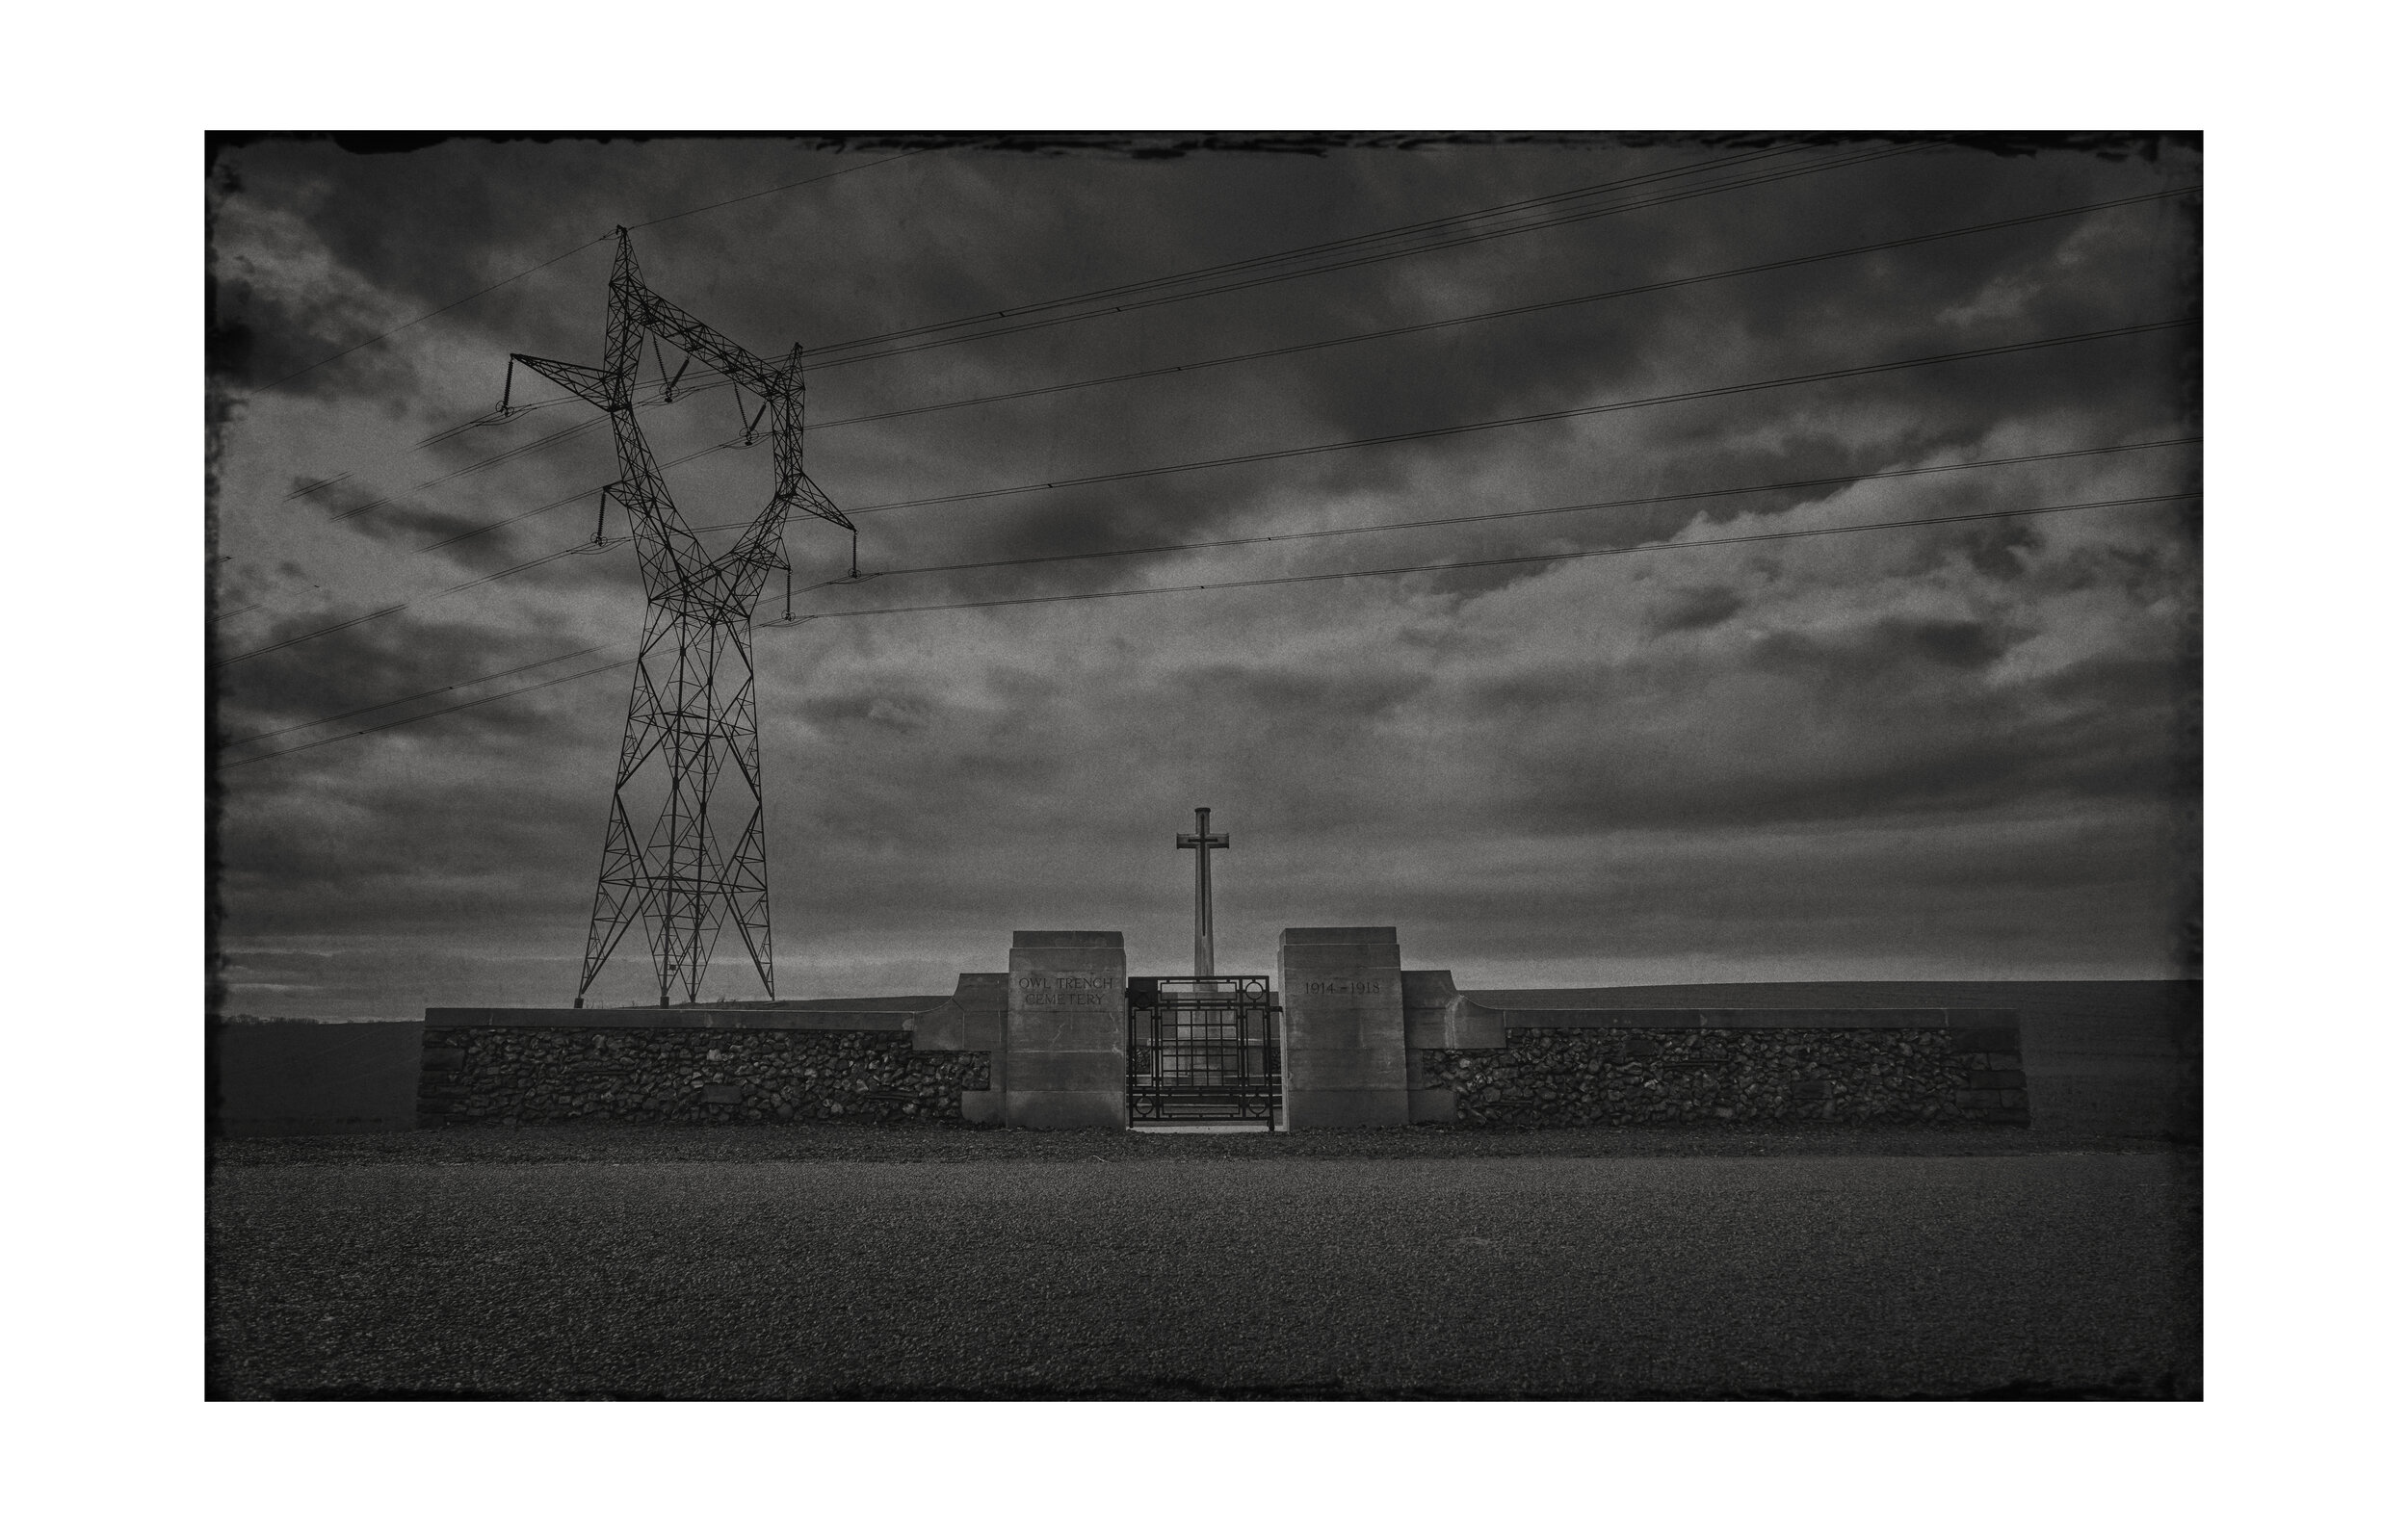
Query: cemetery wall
x=2113, y=1057
x=473, y=1075
x=1038, y=1046
x=1475, y=1065
x=1628, y=1077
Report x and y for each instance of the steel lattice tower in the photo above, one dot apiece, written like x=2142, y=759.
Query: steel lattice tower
x=691, y=710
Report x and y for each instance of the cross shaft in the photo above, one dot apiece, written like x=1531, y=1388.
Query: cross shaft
x=1203, y=842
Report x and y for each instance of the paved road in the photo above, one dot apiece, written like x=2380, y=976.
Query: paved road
x=1587, y=1277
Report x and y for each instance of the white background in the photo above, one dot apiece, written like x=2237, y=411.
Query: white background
x=106, y=871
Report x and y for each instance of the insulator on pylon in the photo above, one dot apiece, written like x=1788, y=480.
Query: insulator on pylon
x=668, y=384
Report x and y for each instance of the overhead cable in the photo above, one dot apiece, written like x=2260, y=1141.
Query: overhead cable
x=1135, y=305
x=1249, y=262
x=1862, y=158
x=564, y=255
x=421, y=717
x=1277, y=580
x=1828, y=481
x=1291, y=350
x=415, y=696
x=1627, y=502
x=1347, y=243
x=1719, y=391
x=1535, y=417
x=1516, y=310
x=1485, y=563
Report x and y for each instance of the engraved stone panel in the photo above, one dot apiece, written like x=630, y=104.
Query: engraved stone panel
x=1064, y=1062
x=1341, y=990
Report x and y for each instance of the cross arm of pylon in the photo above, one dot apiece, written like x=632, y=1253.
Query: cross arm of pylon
x=701, y=341
x=763, y=541
x=590, y=383
x=815, y=500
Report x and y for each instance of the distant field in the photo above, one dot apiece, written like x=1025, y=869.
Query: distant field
x=2104, y=1057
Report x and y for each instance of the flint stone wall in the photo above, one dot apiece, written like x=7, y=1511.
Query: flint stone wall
x=1549, y=1076
x=472, y=1075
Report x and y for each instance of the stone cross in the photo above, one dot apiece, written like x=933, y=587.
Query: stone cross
x=1204, y=843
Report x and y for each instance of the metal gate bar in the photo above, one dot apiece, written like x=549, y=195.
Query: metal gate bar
x=1203, y=1049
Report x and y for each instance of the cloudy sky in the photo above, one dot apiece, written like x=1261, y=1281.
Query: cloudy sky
x=1654, y=736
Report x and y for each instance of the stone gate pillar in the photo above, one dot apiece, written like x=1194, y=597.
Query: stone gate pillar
x=1064, y=1062
x=1342, y=1027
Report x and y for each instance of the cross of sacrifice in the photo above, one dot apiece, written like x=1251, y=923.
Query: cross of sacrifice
x=1204, y=843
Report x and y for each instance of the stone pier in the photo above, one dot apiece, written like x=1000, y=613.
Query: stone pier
x=1342, y=1027
x=1065, y=1056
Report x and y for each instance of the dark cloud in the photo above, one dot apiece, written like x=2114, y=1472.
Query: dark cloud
x=1700, y=607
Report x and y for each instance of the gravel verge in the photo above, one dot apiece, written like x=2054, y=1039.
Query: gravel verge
x=1805, y=1276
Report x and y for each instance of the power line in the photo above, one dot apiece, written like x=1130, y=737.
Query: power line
x=1485, y=563
x=1173, y=278
x=1277, y=580
x=490, y=417
x=1291, y=350
x=1298, y=251
x=788, y=186
x=494, y=417
x=1625, y=504
x=566, y=433
x=580, y=429
x=314, y=632
x=570, y=499
x=403, y=605
x=1721, y=391
x=415, y=696
x=316, y=486
x=465, y=585
x=437, y=713
x=1628, y=503
x=555, y=260
x=430, y=314
x=1501, y=313
x=1156, y=282
x=1271, y=258
x=1136, y=306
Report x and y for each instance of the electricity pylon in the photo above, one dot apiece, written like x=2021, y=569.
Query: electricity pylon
x=691, y=712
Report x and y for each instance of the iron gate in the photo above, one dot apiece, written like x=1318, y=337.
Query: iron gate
x=1203, y=1049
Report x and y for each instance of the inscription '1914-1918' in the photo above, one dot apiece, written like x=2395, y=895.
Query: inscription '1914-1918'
x=1345, y=986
